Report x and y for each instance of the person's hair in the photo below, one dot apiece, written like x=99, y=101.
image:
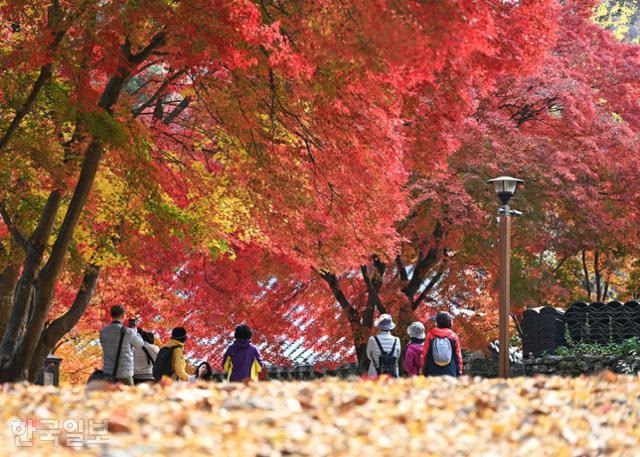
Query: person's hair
x=117, y=311
x=207, y=374
x=417, y=340
x=243, y=332
x=179, y=334
x=443, y=320
x=148, y=337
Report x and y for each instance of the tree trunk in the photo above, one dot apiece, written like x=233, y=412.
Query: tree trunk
x=363, y=361
x=585, y=270
x=596, y=272
x=63, y=324
x=8, y=281
x=50, y=272
x=24, y=289
x=404, y=319
x=16, y=353
x=359, y=332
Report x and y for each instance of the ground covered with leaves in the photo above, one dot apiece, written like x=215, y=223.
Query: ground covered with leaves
x=429, y=417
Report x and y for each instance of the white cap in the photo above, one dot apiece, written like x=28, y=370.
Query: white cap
x=416, y=330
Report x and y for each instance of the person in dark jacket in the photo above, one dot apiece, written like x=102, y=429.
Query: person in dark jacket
x=442, y=342
x=413, y=354
x=242, y=359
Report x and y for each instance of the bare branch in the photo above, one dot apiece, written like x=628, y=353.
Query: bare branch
x=160, y=39
x=13, y=229
x=177, y=110
x=332, y=280
x=402, y=271
x=46, y=71
x=158, y=93
x=373, y=287
x=596, y=270
x=43, y=77
x=423, y=295
x=562, y=261
x=587, y=280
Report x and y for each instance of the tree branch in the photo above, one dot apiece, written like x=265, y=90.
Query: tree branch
x=402, y=271
x=587, y=280
x=183, y=105
x=353, y=316
x=562, y=261
x=332, y=280
x=424, y=263
x=13, y=229
x=423, y=295
x=63, y=324
x=43, y=77
x=373, y=299
x=518, y=325
x=46, y=71
x=596, y=270
x=160, y=91
x=160, y=39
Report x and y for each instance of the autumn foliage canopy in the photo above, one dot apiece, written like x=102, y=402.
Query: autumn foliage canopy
x=303, y=166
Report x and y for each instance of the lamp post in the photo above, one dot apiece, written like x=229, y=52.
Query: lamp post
x=505, y=187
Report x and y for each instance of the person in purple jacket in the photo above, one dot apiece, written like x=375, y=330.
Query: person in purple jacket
x=242, y=359
x=413, y=354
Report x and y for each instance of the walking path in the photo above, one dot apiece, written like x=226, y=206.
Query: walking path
x=427, y=417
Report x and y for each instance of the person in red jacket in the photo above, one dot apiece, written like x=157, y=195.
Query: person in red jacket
x=442, y=355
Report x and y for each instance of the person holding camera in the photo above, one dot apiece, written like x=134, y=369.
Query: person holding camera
x=118, y=343
x=144, y=358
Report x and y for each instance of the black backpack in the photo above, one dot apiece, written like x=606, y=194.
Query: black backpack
x=164, y=363
x=387, y=363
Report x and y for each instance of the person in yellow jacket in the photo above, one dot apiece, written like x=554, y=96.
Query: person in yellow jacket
x=176, y=346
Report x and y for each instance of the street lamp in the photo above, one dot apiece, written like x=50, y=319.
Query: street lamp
x=505, y=187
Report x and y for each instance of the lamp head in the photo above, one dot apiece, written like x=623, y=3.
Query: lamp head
x=505, y=187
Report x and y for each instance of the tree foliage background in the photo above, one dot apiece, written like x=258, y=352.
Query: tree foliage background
x=303, y=167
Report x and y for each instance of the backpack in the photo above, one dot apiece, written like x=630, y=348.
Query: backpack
x=387, y=363
x=441, y=351
x=164, y=363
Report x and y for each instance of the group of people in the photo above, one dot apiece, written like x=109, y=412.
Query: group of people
x=437, y=353
x=130, y=355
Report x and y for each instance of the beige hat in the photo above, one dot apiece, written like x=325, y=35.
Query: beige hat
x=416, y=330
x=385, y=322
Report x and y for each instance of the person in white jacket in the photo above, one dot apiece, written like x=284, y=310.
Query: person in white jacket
x=389, y=344
x=144, y=358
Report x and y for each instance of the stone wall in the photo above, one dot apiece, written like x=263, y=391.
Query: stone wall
x=488, y=368
x=576, y=365
x=476, y=364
